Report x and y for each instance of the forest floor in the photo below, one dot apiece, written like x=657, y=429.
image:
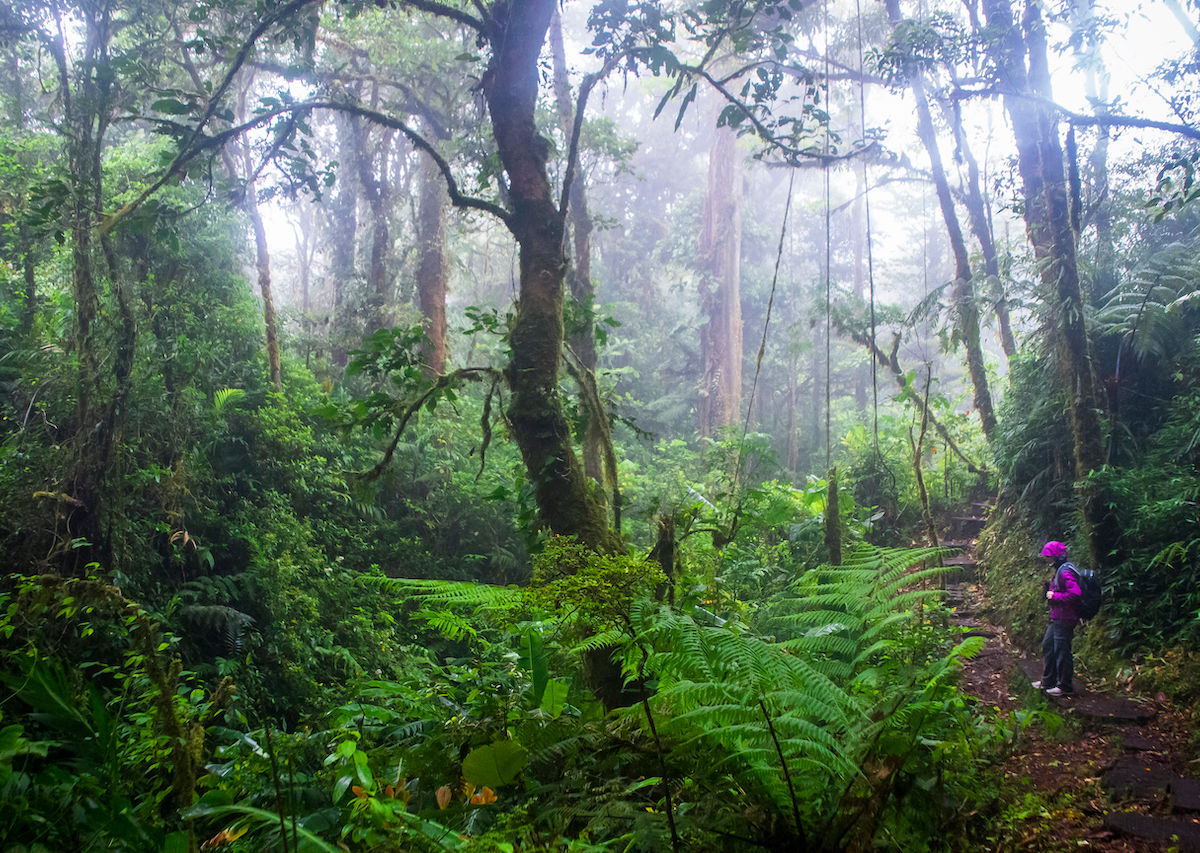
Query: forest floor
x=1117, y=775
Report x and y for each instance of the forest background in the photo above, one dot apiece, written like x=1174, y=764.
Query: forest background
x=435, y=425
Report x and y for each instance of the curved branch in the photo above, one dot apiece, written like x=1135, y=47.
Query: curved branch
x=199, y=144
x=419, y=141
x=444, y=11
x=1082, y=119
x=189, y=149
x=890, y=361
x=585, y=89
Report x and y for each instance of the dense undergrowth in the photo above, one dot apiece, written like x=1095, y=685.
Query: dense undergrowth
x=825, y=719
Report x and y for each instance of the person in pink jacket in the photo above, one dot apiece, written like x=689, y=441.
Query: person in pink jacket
x=1062, y=593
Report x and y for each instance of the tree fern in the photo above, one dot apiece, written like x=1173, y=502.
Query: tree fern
x=1149, y=309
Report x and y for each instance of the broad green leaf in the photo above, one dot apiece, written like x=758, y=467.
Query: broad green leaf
x=554, y=697
x=495, y=764
x=533, y=653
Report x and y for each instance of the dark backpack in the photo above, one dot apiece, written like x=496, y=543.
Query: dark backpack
x=1089, y=586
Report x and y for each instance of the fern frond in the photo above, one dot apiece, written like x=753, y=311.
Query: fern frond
x=450, y=593
x=449, y=624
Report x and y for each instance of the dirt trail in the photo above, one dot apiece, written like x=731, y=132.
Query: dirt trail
x=1116, y=777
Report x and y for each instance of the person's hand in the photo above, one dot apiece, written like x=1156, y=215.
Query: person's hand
x=1049, y=595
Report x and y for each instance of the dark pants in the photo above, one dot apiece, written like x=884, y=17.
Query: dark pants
x=1059, y=670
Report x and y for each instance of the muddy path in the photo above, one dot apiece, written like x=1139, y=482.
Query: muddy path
x=1094, y=770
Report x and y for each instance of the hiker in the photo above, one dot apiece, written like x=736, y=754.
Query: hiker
x=1063, y=594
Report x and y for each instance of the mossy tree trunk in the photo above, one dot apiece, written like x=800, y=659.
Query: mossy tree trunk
x=432, y=275
x=1023, y=70
x=566, y=502
x=374, y=180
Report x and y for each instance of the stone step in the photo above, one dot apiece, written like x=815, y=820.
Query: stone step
x=986, y=633
x=1181, y=833
x=1133, y=778
x=1134, y=742
x=1111, y=709
x=1185, y=795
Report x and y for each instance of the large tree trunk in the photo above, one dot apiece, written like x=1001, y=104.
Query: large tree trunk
x=720, y=287
x=565, y=501
x=1048, y=224
x=964, y=290
x=84, y=120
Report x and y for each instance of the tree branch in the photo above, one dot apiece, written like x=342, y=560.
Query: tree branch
x=1082, y=119
x=419, y=141
x=472, y=374
x=189, y=150
x=444, y=11
x=585, y=89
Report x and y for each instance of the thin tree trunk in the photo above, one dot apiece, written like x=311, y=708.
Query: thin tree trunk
x=981, y=227
x=262, y=257
x=858, y=227
x=262, y=251
x=918, y=448
x=964, y=291
x=581, y=337
x=720, y=287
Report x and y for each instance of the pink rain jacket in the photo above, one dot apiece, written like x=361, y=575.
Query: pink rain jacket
x=1064, y=593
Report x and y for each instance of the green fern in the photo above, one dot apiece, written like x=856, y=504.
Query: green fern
x=1150, y=309
x=796, y=716
x=448, y=593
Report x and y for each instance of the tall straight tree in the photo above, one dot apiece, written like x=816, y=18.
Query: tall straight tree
x=342, y=233
x=432, y=274
x=1023, y=73
x=720, y=261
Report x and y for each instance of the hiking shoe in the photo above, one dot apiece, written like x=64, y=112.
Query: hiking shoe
x=1037, y=685
x=1054, y=691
